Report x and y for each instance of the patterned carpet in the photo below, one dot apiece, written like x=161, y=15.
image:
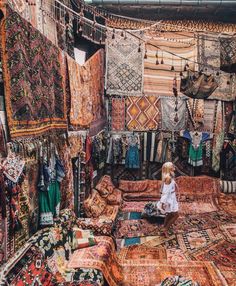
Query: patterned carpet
x=201, y=245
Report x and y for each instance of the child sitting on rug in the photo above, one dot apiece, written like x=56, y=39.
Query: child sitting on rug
x=168, y=202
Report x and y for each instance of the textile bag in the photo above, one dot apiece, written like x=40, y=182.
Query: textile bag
x=228, y=55
x=198, y=85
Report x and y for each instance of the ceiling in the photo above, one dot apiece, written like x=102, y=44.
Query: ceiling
x=217, y=11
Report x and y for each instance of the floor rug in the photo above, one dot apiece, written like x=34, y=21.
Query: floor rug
x=136, y=228
x=174, y=254
x=129, y=215
x=140, y=274
x=150, y=241
x=221, y=252
x=133, y=206
x=192, y=241
x=229, y=231
x=141, y=252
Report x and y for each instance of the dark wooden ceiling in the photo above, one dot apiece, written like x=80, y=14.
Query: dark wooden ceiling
x=218, y=13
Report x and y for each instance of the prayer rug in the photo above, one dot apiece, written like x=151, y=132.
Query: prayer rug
x=158, y=78
x=229, y=231
x=117, y=114
x=192, y=241
x=143, y=113
x=102, y=257
x=209, y=55
x=124, y=75
x=140, y=274
x=34, y=79
x=136, y=228
x=133, y=206
x=142, y=253
x=169, y=119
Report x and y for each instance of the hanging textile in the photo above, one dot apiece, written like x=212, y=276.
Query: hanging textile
x=158, y=76
x=34, y=74
x=218, y=139
x=209, y=55
x=197, y=110
x=149, y=146
x=13, y=167
x=170, y=121
x=96, y=63
x=124, y=75
x=143, y=113
x=117, y=114
x=198, y=85
x=81, y=100
x=3, y=147
x=228, y=54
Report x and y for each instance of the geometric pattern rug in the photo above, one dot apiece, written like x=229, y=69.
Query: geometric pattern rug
x=229, y=231
x=143, y=113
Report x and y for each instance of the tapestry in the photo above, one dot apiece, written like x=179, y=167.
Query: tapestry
x=158, y=63
x=102, y=257
x=197, y=109
x=13, y=167
x=229, y=231
x=227, y=54
x=81, y=109
x=218, y=139
x=142, y=253
x=117, y=114
x=143, y=113
x=209, y=115
x=97, y=69
x=170, y=121
x=140, y=274
x=191, y=241
x=35, y=96
x=124, y=75
x=209, y=55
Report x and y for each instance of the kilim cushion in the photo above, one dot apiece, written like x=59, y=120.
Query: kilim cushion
x=105, y=186
x=228, y=187
x=82, y=238
x=94, y=205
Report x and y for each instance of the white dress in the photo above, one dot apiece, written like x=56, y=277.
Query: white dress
x=168, y=198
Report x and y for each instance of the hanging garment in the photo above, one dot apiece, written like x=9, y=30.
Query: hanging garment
x=132, y=160
x=49, y=190
x=195, y=150
x=198, y=85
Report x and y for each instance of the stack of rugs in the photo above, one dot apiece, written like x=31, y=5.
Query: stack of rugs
x=201, y=246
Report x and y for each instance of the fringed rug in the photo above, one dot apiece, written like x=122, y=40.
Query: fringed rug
x=124, y=65
x=34, y=70
x=143, y=113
